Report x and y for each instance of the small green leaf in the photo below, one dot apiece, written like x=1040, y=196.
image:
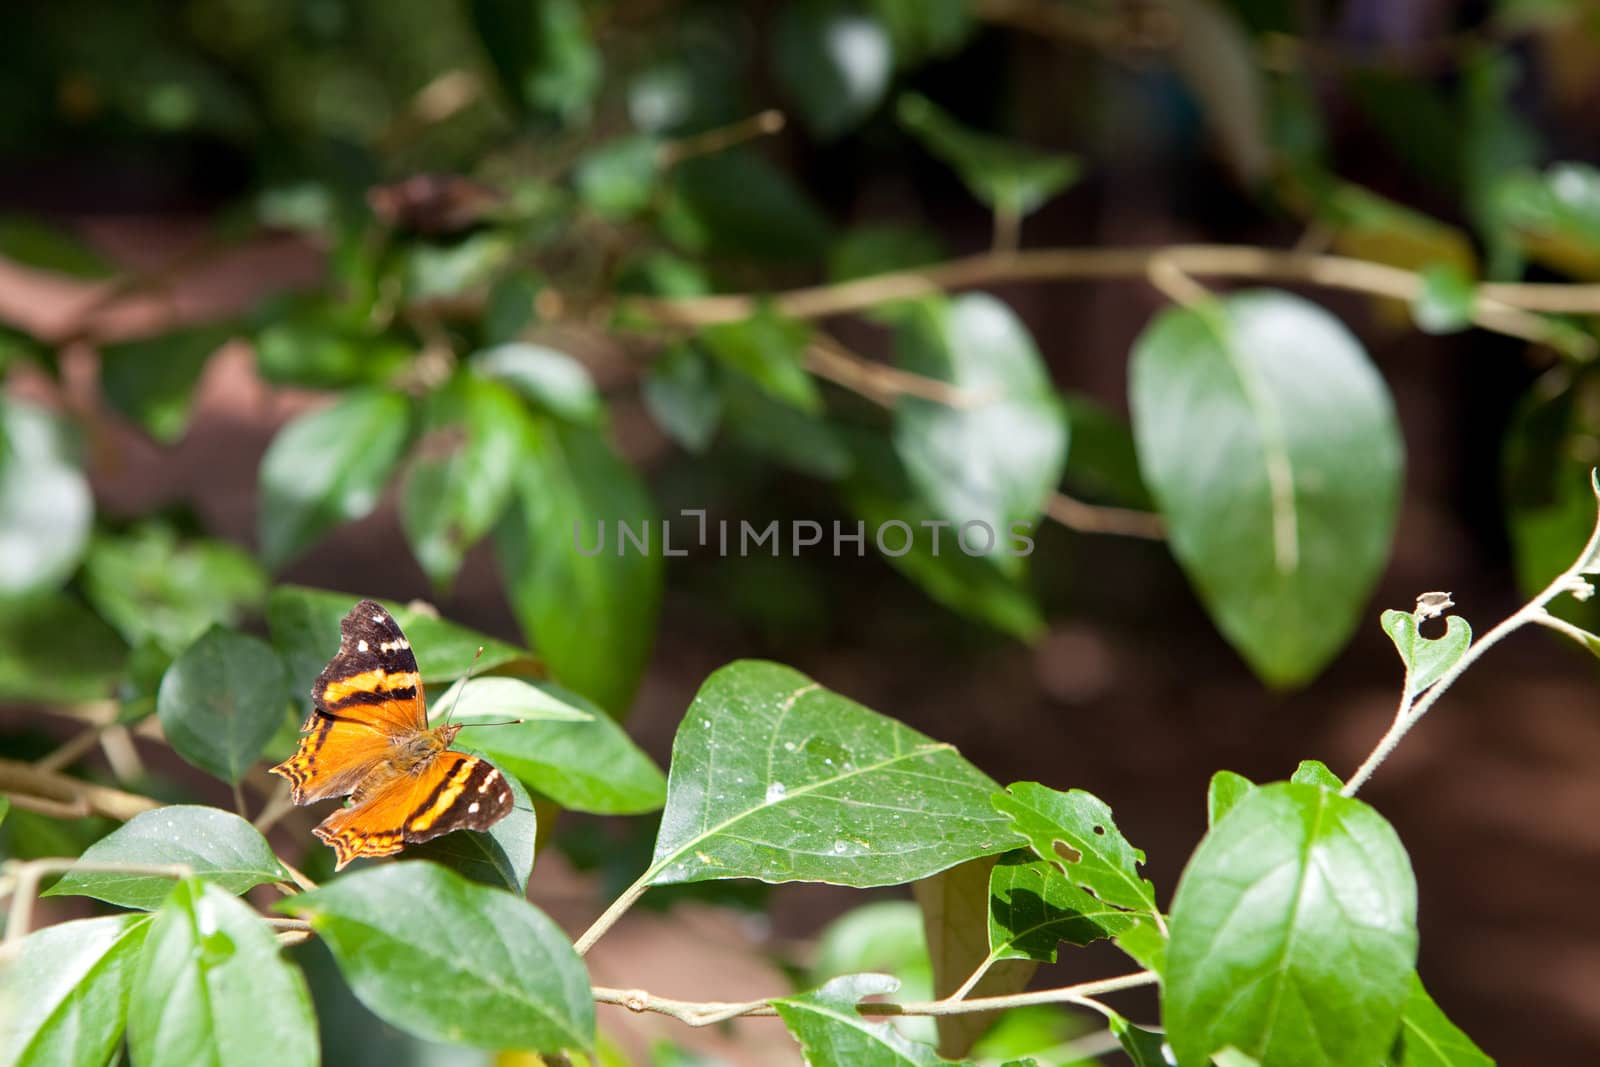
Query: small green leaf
x=1293, y=933
x=501, y=856
x=1007, y=177
x=770, y=351
x=218, y=846
x=619, y=179
x=511, y=307
x=1278, y=478
x=1033, y=908
x=544, y=54
x=831, y=1031
x=1075, y=832
x=436, y=272
x=152, y=381
x=31, y=243
x=804, y=442
x=1103, y=463
x=774, y=777
x=737, y=203
x=1429, y=1039
x=1227, y=789
x=881, y=249
x=885, y=935
x=1556, y=215
x=1446, y=301
x=553, y=380
x=1145, y=1048
x=833, y=60
x=45, y=505
x=328, y=467
x=1426, y=658
x=448, y=960
x=221, y=701
x=1315, y=772
x=493, y=699
x=682, y=396
x=316, y=345
x=65, y=993
x=212, y=987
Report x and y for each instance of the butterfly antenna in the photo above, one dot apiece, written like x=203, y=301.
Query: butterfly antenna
x=463, y=687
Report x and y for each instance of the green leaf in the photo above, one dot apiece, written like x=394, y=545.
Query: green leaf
x=501, y=856
x=1103, y=463
x=1144, y=1047
x=1220, y=63
x=770, y=351
x=511, y=307
x=1075, y=832
x=1270, y=443
x=1227, y=789
x=776, y=778
x=304, y=624
x=1426, y=658
x=310, y=343
x=222, y=700
x=486, y=700
x=152, y=381
x=212, y=987
x=831, y=1031
x=328, y=467
x=737, y=203
x=218, y=846
x=619, y=179
x=547, y=61
x=32, y=243
x=151, y=586
x=587, y=601
x=1556, y=215
x=880, y=249
x=682, y=397
x=55, y=649
x=924, y=29
x=1033, y=908
x=1005, y=176
x=1293, y=933
x=435, y=272
x=1429, y=1039
x=990, y=463
x=804, y=442
x=5, y=808
x=1315, y=772
x=448, y=960
x=833, y=60
x=588, y=765
x=885, y=935
x=460, y=480
x=45, y=505
x=553, y=380
x=66, y=992
x=1445, y=303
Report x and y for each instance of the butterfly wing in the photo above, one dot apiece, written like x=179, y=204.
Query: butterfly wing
x=455, y=792
x=368, y=696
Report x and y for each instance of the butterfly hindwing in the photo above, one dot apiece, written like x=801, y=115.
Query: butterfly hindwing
x=373, y=678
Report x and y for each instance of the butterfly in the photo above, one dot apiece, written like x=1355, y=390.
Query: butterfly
x=368, y=737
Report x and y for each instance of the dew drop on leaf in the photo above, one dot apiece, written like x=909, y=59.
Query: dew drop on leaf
x=775, y=792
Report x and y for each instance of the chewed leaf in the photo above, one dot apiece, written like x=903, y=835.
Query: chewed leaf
x=831, y=1031
x=1033, y=908
x=1426, y=658
x=1075, y=831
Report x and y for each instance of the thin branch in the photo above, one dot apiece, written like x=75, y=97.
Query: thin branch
x=609, y=917
x=278, y=804
x=28, y=875
x=1175, y=283
x=761, y=124
x=881, y=383
x=1074, y=514
x=22, y=779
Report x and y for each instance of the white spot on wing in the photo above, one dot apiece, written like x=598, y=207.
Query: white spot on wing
x=361, y=646
x=377, y=618
x=472, y=809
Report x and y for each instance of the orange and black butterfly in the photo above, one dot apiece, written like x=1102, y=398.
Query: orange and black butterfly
x=368, y=737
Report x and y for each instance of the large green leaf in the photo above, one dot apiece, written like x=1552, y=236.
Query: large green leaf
x=448, y=960
x=54, y=648
x=774, y=777
x=1074, y=831
x=989, y=463
x=1007, y=177
x=1033, y=907
x=832, y=1032
x=212, y=987
x=328, y=467
x=501, y=856
x=45, y=506
x=152, y=381
x=547, y=62
x=64, y=998
x=834, y=60
x=587, y=600
x=1293, y=933
x=218, y=846
x=1270, y=443
x=549, y=378
x=221, y=701
x=1429, y=1039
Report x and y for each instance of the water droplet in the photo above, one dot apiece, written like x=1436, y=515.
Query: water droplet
x=775, y=792
x=705, y=722
x=840, y=847
x=788, y=746
x=828, y=760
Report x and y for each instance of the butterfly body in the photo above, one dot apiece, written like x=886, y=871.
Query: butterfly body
x=368, y=737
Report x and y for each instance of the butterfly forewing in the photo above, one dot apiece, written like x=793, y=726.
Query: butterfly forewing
x=373, y=678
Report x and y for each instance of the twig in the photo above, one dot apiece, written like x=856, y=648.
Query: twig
x=29, y=873
x=1074, y=514
x=761, y=124
x=299, y=879
x=276, y=807
x=883, y=384
x=1175, y=283
x=24, y=780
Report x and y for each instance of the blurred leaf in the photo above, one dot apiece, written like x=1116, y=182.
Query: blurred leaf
x=863, y=251
x=1496, y=140
x=1221, y=65
x=218, y=846
x=804, y=442
x=619, y=179
x=1446, y=301
x=553, y=380
x=1293, y=933
x=1278, y=478
x=305, y=630
x=833, y=60
x=771, y=351
x=885, y=935
x=511, y=307
x=543, y=53
x=737, y=203
x=992, y=458
x=221, y=700
x=1369, y=226
x=448, y=960
x=1075, y=833
x=1556, y=215
x=831, y=1031
x=55, y=649
x=328, y=467
x=1429, y=1039
x=955, y=909
x=152, y=381
x=435, y=272
x=309, y=343
x=588, y=765
x=501, y=856
x=590, y=611
x=1426, y=658
x=1226, y=790
x=45, y=504
x=1005, y=176
x=658, y=273
x=924, y=29
x=1033, y=908
x=213, y=987
x=31, y=242
x=774, y=777
x=1103, y=463
x=477, y=700
x=681, y=396
x=66, y=992
x=460, y=478
x=151, y=586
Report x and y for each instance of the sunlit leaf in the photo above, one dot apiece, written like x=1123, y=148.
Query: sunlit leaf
x=45, y=506
x=955, y=911
x=551, y=379
x=1226, y=790
x=1007, y=177
x=1429, y=1039
x=221, y=700
x=1033, y=907
x=1426, y=658
x=1074, y=831
x=833, y=60
x=64, y=997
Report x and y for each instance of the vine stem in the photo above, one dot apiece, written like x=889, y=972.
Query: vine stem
x=618, y=908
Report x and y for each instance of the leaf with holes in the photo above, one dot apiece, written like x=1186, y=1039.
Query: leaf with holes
x=218, y=846
x=831, y=1031
x=1426, y=658
x=1032, y=909
x=1074, y=831
x=774, y=777
x=1270, y=445
x=1429, y=1039
x=1293, y=933
x=64, y=996
x=221, y=701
